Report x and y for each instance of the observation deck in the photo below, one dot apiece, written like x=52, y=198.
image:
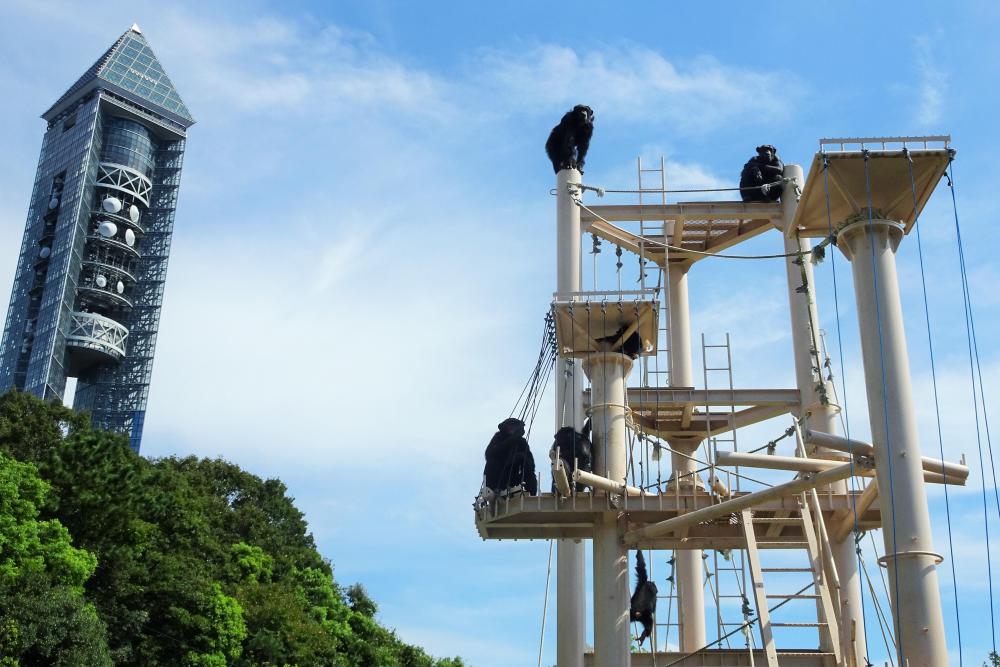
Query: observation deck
x=93, y=339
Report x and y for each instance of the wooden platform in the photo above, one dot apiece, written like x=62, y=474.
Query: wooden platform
x=847, y=182
x=686, y=412
x=584, y=317
x=777, y=524
x=701, y=226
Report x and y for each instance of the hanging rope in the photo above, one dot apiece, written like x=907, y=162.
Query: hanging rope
x=729, y=634
x=885, y=412
x=545, y=603
x=937, y=407
x=973, y=360
x=763, y=188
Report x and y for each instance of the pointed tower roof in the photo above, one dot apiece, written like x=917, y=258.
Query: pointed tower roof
x=131, y=69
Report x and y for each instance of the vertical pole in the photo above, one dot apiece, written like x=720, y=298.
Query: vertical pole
x=906, y=526
x=570, y=606
x=612, y=640
x=688, y=563
x=821, y=415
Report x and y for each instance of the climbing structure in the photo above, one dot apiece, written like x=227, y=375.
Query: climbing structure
x=661, y=482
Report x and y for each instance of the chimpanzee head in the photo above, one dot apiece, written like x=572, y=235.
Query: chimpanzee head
x=767, y=152
x=511, y=427
x=586, y=113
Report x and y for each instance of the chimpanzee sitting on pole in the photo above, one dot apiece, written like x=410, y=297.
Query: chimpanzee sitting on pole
x=760, y=179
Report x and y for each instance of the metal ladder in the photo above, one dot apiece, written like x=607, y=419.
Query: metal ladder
x=716, y=359
x=821, y=591
x=655, y=372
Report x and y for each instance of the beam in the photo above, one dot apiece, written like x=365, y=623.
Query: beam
x=721, y=210
x=858, y=447
x=646, y=398
x=604, y=484
x=865, y=500
x=742, y=502
x=801, y=464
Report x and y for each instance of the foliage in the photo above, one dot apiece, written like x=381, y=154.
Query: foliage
x=44, y=618
x=198, y=562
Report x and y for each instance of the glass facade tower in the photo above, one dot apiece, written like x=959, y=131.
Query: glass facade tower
x=89, y=281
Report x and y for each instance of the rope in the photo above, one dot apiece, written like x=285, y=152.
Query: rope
x=937, y=408
x=973, y=358
x=545, y=603
x=883, y=624
x=690, y=251
x=739, y=629
x=843, y=379
x=764, y=188
x=885, y=412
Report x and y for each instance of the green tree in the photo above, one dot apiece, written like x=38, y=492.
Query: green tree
x=198, y=562
x=44, y=618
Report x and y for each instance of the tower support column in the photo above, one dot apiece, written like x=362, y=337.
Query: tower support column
x=870, y=245
x=570, y=584
x=688, y=563
x=820, y=413
x=612, y=640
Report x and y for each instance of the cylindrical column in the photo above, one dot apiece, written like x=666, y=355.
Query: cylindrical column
x=688, y=563
x=906, y=526
x=570, y=586
x=821, y=415
x=612, y=642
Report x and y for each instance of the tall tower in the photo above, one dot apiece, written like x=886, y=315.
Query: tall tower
x=89, y=281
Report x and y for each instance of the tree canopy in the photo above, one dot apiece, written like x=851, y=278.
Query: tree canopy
x=107, y=558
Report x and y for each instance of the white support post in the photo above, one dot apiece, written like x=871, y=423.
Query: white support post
x=612, y=641
x=870, y=245
x=688, y=563
x=821, y=415
x=570, y=585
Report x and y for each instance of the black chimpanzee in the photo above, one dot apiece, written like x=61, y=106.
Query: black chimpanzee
x=631, y=346
x=569, y=140
x=762, y=169
x=643, y=604
x=508, y=459
x=574, y=447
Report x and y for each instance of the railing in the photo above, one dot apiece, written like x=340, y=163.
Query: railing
x=96, y=332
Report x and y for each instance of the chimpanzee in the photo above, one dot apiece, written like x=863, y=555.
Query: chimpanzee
x=574, y=448
x=762, y=169
x=508, y=459
x=630, y=347
x=643, y=604
x=569, y=140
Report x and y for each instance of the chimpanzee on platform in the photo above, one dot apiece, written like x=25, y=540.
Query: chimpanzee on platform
x=762, y=169
x=508, y=460
x=574, y=448
x=569, y=140
x=643, y=604
x=630, y=347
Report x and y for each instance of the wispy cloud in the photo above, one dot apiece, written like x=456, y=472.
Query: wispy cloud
x=932, y=82
x=633, y=83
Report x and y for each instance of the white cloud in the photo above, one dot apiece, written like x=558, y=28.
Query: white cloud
x=632, y=83
x=933, y=83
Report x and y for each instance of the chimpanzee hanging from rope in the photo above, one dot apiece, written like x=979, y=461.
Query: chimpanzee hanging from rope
x=643, y=603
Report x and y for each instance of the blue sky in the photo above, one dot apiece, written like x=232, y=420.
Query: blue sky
x=364, y=242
